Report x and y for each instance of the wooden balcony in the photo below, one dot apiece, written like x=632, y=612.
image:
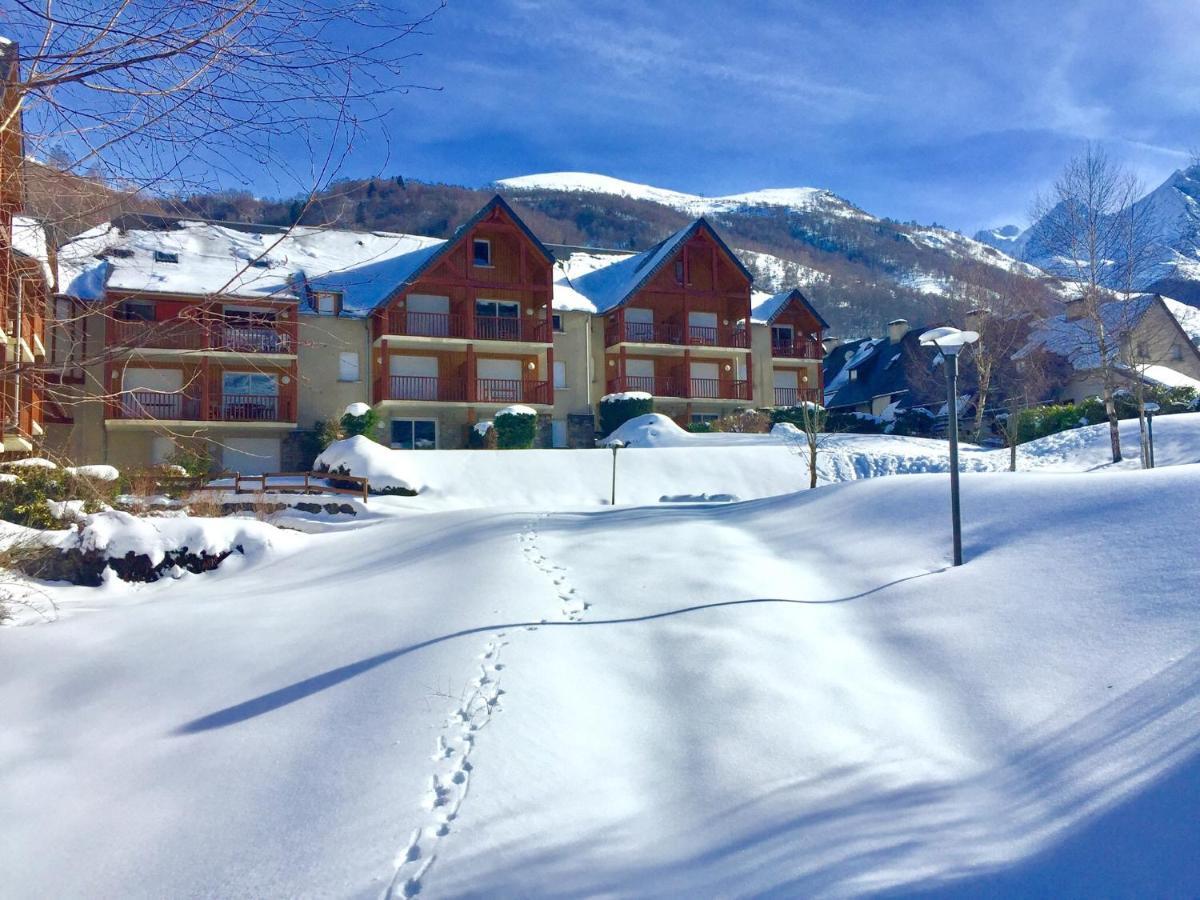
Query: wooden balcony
x=785, y=396
x=526, y=329
x=801, y=349
x=685, y=388
x=462, y=390
x=161, y=406
x=187, y=334
x=674, y=334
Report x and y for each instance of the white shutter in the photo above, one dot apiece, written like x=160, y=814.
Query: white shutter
x=348, y=366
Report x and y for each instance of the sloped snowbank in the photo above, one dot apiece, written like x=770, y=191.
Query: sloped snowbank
x=116, y=533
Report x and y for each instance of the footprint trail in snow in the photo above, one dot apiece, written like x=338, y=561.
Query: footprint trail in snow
x=451, y=776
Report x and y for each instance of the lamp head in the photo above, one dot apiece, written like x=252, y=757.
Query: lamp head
x=1151, y=408
x=948, y=340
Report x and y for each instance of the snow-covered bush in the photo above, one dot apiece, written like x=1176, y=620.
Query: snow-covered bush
x=748, y=421
x=516, y=427
x=359, y=419
x=836, y=421
x=617, y=409
x=40, y=497
x=482, y=436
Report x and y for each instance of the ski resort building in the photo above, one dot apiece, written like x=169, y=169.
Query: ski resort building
x=244, y=337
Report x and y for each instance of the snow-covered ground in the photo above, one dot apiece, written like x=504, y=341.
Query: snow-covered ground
x=662, y=461
x=792, y=695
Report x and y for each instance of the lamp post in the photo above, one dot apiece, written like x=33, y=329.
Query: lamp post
x=614, y=446
x=950, y=342
x=1150, y=409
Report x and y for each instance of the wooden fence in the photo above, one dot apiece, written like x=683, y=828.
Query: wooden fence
x=272, y=482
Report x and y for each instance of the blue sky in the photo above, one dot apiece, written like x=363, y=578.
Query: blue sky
x=957, y=113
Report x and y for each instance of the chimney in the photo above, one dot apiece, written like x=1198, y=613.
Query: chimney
x=1075, y=309
x=897, y=329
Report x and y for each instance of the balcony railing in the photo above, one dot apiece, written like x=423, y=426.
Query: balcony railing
x=786, y=396
x=480, y=328
x=675, y=335
x=421, y=387
x=798, y=350
x=461, y=390
x=181, y=334
x=162, y=405
x=687, y=388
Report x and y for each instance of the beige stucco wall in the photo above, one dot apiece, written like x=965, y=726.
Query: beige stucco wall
x=322, y=340
x=571, y=347
x=762, y=368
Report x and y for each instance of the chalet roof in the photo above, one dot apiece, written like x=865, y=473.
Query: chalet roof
x=879, y=366
x=134, y=253
x=768, y=307
x=1075, y=340
x=603, y=282
x=29, y=240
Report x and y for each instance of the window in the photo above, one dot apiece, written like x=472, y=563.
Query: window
x=249, y=397
x=348, y=366
x=854, y=374
x=782, y=336
x=703, y=418
x=1142, y=351
x=481, y=252
x=163, y=256
x=560, y=374
x=556, y=320
x=414, y=434
x=498, y=320
x=134, y=311
x=327, y=303
x=260, y=263
x=679, y=271
x=1176, y=352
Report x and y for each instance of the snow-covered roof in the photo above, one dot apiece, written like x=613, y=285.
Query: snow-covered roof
x=1075, y=339
x=765, y=308
x=600, y=281
x=193, y=257
x=29, y=239
x=151, y=254
x=1168, y=377
x=1187, y=316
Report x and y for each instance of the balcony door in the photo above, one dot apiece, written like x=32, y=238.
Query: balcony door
x=702, y=328
x=249, y=331
x=413, y=377
x=500, y=380
x=706, y=379
x=786, y=393
x=498, y=320
x=639, y=376
x=783, y=337
x=639, y=325
x=428, y=315
x=153, y=394
x=249, y=397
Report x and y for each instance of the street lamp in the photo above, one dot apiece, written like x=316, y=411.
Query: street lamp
x=1150, y=409
x=950, y=342
x=614, y=446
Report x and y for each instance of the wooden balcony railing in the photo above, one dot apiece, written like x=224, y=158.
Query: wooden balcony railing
x=461, y=390
x=676, y=335
x=188, y=408
x=481, y=328
x=182, y=334
x=420, y=387
x=687, y=388
x=798, y=350
x=785, y=396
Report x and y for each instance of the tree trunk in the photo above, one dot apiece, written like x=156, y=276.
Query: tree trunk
x=812, y=467
x=1114, y=425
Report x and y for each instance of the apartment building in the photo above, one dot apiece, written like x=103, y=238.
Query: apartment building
x=241, y=337
x=24, y=279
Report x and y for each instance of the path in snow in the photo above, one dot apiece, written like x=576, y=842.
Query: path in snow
x=451, y=778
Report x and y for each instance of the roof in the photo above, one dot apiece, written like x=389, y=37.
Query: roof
x=768, y=307
x=1075, y=339
x=29, y=239
x=255, y=261
x=880, y=365
x=602, y=282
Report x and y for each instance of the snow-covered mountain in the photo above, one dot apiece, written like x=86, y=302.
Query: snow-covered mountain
x=806, y=198
x=1172, y=211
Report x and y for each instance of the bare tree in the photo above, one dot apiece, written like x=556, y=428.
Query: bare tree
x=1096, y=235
x=810, y=435
x=119, y=106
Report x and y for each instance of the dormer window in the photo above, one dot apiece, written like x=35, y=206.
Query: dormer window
x=327, y=303
x=260, y=263
x=481, y=252
x=854, y=374
x=163, y=256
